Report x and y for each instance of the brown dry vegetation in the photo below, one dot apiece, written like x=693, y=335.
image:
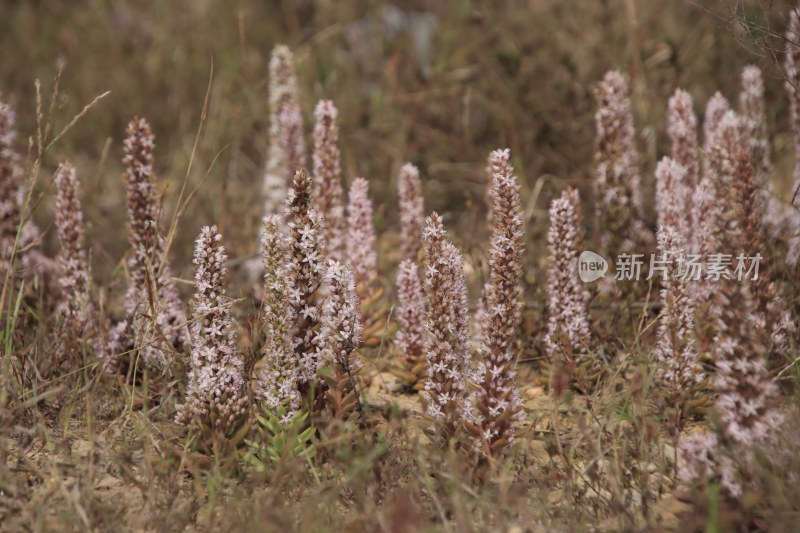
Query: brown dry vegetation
x=439, y=84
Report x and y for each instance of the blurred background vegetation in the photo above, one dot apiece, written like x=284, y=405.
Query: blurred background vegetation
x=437, y=83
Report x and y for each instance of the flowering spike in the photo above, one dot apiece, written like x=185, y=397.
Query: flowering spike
x=361, y=234
x=216, y=395
x=292, y=142
x=707, y=212
x=412, y=210
x=74, y=308
x=675, y=355
x=497, y=163
x=716, y=108
x=340, y=336
x=619, y=209
x=12, y=202
x=754, y=120
x=721, y=158
x=282, y=93
x=307, y=264
x=671, y=195
x=446, y=347
x=410, y=339
x=682, y=132
x=150, y=292
x=277, y=379
x=568, y=335
x=328, y=192
x=497, y=401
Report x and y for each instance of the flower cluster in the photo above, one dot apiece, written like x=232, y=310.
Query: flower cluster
x=277, y=373
x=154, y=314
x=361, y=235
x=568, y=335
x=447, y=327
x=497, y=403
x=619, y=205
x=675, y=355
x=328, y=193
x=216, y=394
x=340, y=335
x=310, y=315
x=282, y=93
x=75, y=308
x=412, y=210
x=745, y=331
x=410, y=339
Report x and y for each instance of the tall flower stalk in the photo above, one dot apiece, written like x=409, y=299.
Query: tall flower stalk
x=671, y=194
x=497, y=401
x=675, y=355
x=361, y=235
x=340, y=338
x=619, y=206
x=307, y=269
x=682, y=133
x=363, y=261
x=12, y=203
x=74, y=308
x=447, y=325
x=568, y=334
x=328, y=192
x=277, y=374
x=410, y=338
x=155, y=319
x=412, y=211
x=286, y=144
x=716, y=108
x=754, y=121
x=216, y=395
